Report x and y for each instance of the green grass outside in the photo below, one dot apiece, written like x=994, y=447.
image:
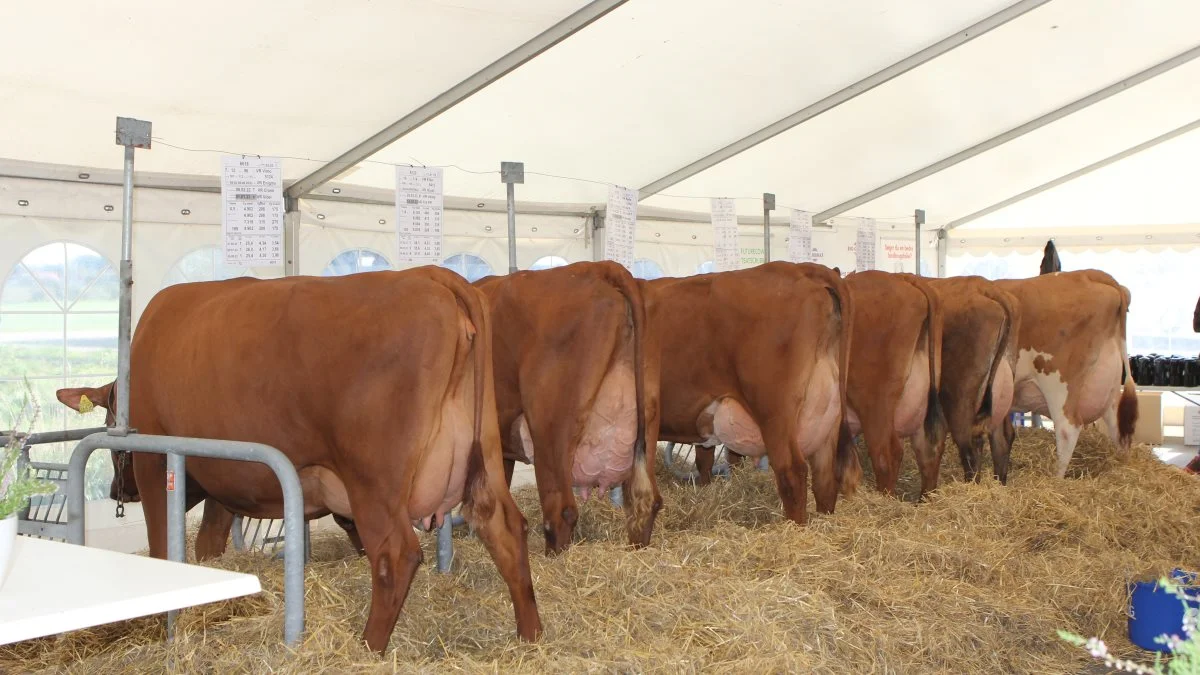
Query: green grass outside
x=45, y=366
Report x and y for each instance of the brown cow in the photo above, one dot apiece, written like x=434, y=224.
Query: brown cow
x=895, y=372
x=378, y=387
x=571, y=390
x=760, y=368
x=979, y=356
x=1072, y=362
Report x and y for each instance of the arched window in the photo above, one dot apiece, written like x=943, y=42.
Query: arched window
x=203, y=264
x=644, y=268
x=548, y=261
x=356, y=260
x=470, y=266
x=58, y=328
x=706, y=267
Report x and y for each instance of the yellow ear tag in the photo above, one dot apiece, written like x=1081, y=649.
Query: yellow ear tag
x=85, y=404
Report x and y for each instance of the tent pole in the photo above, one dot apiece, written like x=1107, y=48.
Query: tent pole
x=132, y=134
x=512, y=173
x=768, y=206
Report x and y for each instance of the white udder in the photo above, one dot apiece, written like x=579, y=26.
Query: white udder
x=1037, y=392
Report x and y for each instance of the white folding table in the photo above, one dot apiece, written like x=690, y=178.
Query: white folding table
x=54, y=587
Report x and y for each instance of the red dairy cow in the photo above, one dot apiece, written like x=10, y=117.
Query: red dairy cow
x=571, y=391
x=895, y=371
x=378, y=387
x=761, y=369
x=979, y=357
x=1072, y=362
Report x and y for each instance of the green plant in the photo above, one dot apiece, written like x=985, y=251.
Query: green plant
x=18, y=483
x=1185, y=651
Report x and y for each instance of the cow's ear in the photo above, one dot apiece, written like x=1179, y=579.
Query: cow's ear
x=837, y=271
x=84, y=399
x=77, y=398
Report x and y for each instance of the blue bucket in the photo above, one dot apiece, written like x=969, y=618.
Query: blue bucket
x=1154, y=612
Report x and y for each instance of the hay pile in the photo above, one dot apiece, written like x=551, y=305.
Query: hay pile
x=978, y=579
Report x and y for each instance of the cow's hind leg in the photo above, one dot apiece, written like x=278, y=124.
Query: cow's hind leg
x=394, y=553
x=214, y=531
x=1002, y=437
x=791, y=472
x=351, y=531
x=928, y=461
x=491, y=511
x=1066, y=435
x=970, y=446
x=705, y=458
x=885, y=449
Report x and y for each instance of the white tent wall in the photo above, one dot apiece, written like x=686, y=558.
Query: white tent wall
x=1155, y=263
x=346, y=226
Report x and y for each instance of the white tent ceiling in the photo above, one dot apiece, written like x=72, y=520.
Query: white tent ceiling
x=641, y=92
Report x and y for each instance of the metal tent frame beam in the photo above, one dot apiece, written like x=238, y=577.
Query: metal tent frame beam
x=1112, y=159
x=560, y=31
x=842, y=96
x=1011, y=134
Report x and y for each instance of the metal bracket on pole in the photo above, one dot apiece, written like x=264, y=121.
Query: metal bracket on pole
x=512, y=173
x=596, y=223
x=943, y=244
x=768, y=207
x=131, y=134
x=918, y=220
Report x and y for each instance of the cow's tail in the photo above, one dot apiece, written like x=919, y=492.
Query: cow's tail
x=472, y=301
x=1003, y=345
x=1127, y=407
x=848, y=471
x=933, y=340
x=628, y=287
x=642, y=499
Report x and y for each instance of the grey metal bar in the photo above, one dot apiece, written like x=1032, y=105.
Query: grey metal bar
x=176, y=520
x=1111, y=159
x=293, y=499
x=131, y=134
x=836, y=99
x=1014, y=133
x=560, y=31
x=768, y=207
x=943, y=248
x=512, y=228
x=237, y=533
x=597, y=224
x=512, y=173
x=67, y=436
x=445, y=545
x=918, y=220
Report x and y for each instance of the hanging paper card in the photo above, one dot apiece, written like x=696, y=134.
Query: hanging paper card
x=252, y=211
x=620, y=225
x=800, y=246
x=725, y=234
x=419, y=213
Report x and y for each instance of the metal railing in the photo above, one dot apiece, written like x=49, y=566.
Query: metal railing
x=176, y=449
x=44, y=516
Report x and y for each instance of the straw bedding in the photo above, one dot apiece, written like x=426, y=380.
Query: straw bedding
x=976, y=579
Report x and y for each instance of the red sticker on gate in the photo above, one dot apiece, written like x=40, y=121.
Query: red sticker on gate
x=170, y=481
